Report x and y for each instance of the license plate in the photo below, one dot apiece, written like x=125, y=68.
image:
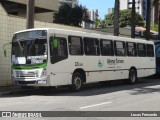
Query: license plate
x=42, y=81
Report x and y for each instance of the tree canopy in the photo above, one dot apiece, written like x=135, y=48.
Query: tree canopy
x=124, y=18
x=70, y=16
x=155, y=2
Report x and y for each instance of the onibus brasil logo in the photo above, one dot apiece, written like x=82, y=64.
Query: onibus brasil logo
x=100, y=64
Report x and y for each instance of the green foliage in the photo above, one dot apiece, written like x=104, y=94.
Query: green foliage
x=70, y=16
x=155, y=2
x=98, y=23
x=124, y=18
x=109, y=18
x=154, y=27
x=101, y=23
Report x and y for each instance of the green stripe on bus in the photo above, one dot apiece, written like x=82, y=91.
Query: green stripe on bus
x=29, y=67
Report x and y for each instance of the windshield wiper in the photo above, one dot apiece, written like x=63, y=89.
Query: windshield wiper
x=20, y=44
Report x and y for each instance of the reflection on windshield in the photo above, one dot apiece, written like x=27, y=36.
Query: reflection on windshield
x=33, y=52
x=157, y=49
x=158, y=52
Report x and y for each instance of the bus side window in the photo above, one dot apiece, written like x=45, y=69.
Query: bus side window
x=150, y=50
x=60, y=52
x=106, y=47
x=91, y=46
x=120, y=48
x=131, y=49
x=141, y=50
x=75, y=45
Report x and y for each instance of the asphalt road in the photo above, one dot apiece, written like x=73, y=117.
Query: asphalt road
x=115, y=96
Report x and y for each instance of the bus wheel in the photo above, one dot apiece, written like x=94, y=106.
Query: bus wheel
x=132, y=76
x=77, y=81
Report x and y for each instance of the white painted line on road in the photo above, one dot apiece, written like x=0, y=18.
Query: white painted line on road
x=95, y=105
x=155, y=92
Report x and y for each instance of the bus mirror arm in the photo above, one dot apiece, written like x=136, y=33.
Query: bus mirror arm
x=4, y=50
x=54, y=42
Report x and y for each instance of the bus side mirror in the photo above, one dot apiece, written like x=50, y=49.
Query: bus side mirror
x=5, y=53
x=4, y=50
x=54, y=42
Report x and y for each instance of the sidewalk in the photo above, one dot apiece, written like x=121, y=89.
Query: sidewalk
x=5, y=90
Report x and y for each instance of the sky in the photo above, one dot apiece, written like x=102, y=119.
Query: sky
x=101, y=5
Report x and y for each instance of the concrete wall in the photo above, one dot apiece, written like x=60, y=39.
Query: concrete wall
x=47, y=4
x=52, y=5
x=9, y=25
x=44, y=17
x=5, y=36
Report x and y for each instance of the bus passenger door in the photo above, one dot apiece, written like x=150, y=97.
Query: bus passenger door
x=91, y=58
x=58, y=58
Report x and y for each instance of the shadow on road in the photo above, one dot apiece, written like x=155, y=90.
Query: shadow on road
x=143, y=86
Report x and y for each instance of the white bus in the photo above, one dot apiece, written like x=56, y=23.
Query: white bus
x=55, y=57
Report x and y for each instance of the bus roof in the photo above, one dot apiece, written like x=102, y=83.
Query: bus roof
x=86, y=34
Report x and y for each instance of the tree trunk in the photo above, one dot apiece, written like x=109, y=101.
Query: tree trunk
x=133, y=20
x=159, y=27
x=30, y=14
x=116, y=18
x=148, y=19
x=158, y=20
x=154, y=4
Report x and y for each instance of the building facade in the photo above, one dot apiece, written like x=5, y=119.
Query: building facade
x=73, y=3
x=123, y=4
x=141, y=8
x=110, y=10
x=93, y=16
x=127, y=4
x=43, y=8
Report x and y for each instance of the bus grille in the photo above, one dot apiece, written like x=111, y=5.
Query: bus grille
x=26, y=82
x=20, y=74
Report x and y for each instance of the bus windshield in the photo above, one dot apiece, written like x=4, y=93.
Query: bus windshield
x=157, y=45
x=29, y=50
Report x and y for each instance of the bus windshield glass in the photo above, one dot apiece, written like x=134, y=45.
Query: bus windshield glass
x=29, y=48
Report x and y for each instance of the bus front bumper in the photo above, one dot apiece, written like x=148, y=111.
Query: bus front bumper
x=43, y=81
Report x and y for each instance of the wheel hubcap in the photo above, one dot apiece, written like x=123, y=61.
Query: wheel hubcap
x=133, y=77
x=77, y=82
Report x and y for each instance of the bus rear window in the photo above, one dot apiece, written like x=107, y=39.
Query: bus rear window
x=150, y=50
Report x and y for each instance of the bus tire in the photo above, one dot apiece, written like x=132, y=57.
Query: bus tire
x=132, y=76
x=77, y=81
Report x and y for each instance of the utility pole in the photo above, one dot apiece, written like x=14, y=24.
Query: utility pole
x=116, y=18
x=159, y=27
x=148, y=19
x=159, y=20
x=30, y=14
x=73, y=4
x=133, y=20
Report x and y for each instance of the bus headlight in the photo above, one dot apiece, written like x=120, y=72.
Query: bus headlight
x=44, y=72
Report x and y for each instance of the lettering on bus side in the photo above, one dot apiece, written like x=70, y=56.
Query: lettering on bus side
x=78, y=64
x=113, y=62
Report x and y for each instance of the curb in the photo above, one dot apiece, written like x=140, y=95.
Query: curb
x=12, y=92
